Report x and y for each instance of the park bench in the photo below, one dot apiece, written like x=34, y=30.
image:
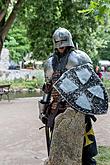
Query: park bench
x=4, y=90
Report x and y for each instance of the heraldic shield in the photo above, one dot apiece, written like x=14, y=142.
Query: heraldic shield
x=83, y=90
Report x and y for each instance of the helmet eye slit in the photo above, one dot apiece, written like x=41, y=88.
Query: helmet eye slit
x=60, y=41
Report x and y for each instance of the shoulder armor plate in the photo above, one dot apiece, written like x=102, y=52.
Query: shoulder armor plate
x=48, y=69
x=77, y=58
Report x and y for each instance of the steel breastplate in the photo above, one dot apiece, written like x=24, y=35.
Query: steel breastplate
x=68, y=61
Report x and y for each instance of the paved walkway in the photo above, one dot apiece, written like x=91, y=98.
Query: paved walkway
x=21, y=141
x=102, y=129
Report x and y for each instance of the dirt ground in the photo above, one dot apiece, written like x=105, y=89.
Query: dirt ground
x=21, y=141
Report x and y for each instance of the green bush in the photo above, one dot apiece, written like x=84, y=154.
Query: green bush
x=28, y=84
x=36, y=83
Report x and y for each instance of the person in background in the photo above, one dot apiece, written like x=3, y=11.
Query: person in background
x=98, y=72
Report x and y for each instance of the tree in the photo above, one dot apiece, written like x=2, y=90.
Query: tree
x=41, y=18
x=104, y=50
x=46, y=16
x=100, y=9
x=7, y=17
x=17, y=41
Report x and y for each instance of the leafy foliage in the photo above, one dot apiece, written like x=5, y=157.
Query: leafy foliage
x=46, y=16
x=86, y=20
x=8, y=12
x=104, y=49
x=17, y=42
x=100, y=9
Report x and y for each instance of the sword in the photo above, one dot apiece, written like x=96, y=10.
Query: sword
x=48, y=138
x=48, y=133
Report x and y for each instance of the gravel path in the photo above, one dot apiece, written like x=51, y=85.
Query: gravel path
x=102, y=129
x=21, y=141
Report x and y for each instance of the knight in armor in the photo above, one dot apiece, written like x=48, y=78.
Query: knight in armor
x=64, y=58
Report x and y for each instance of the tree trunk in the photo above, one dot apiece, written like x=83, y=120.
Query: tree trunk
x=67, y=140
x=7, y=24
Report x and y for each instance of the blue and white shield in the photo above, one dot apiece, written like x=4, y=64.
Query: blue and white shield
x=83, y=90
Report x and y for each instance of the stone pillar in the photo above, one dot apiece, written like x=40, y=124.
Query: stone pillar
x=67, y=140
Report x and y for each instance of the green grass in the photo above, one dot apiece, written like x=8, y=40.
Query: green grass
x=27, y=84
x=37, y=82
x=103, y=157
x=106, y=83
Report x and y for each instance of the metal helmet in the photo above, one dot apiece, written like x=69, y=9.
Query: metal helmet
x=62, y=37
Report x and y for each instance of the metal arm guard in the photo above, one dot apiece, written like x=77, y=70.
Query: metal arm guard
x=44, y=103
x=42, y=111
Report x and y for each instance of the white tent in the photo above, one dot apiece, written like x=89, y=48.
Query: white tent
x=104, y=62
